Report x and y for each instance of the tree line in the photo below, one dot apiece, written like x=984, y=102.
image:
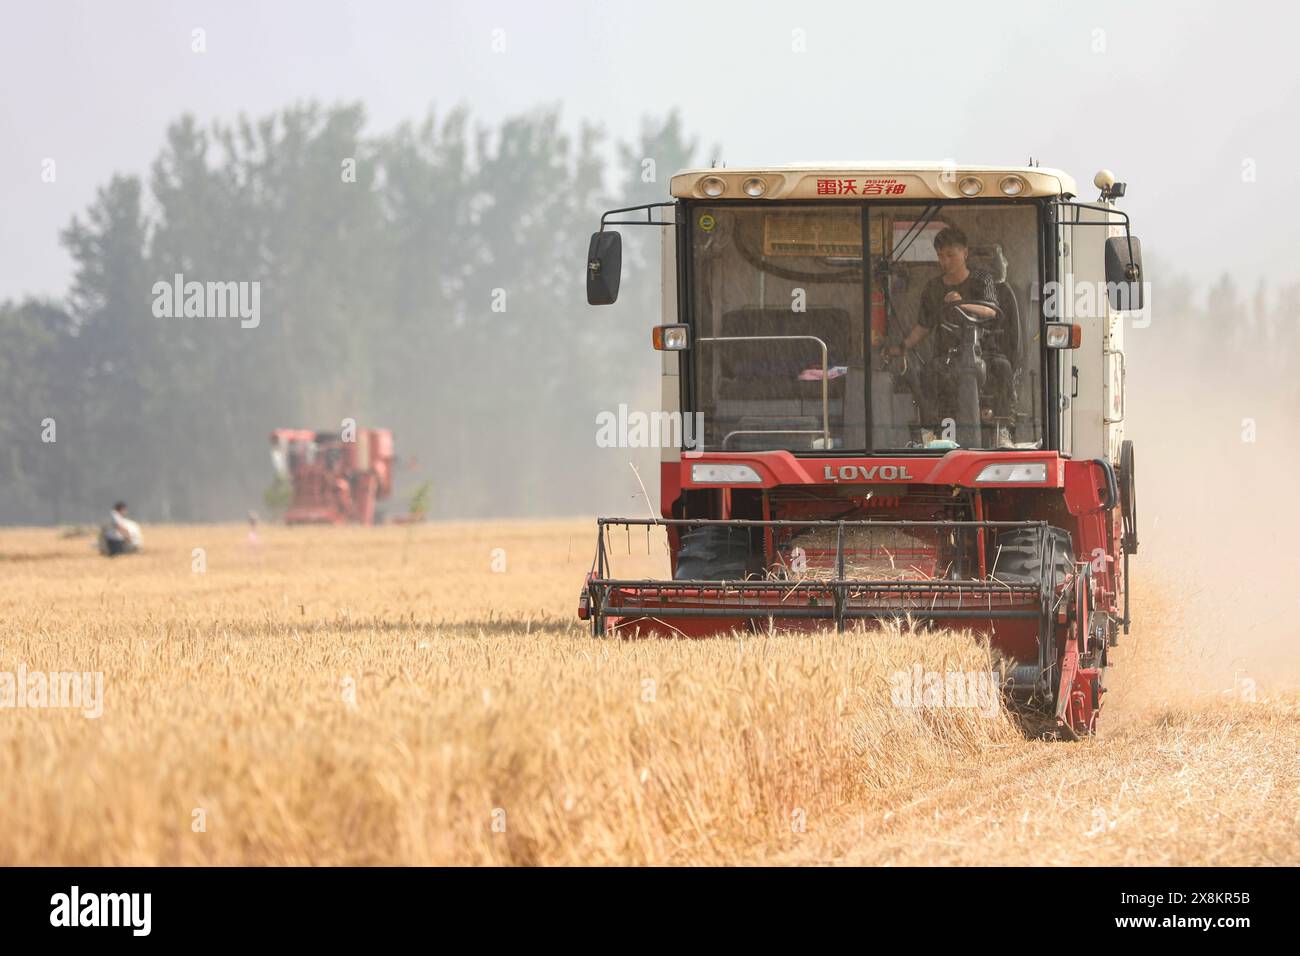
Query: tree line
x=428, y=279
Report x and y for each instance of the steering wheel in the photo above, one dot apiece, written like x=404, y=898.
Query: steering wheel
x=969, y=319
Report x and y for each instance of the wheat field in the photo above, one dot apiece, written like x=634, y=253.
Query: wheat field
x=425, y=695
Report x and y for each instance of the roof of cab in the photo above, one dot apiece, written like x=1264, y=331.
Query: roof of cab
x=873, y=180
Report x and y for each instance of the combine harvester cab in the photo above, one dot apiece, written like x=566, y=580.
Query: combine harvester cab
x=900, y=391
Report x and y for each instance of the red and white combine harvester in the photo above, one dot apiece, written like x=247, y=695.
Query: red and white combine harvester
x=334, y=481
x=909, y=384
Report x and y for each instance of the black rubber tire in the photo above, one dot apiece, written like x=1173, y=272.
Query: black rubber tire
x=714, y=553
x=1127, y=479
x=1019, y=560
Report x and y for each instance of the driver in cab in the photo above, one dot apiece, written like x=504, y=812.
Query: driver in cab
x=955, y=283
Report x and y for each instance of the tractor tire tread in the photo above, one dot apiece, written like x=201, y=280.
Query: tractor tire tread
x=1019, y=560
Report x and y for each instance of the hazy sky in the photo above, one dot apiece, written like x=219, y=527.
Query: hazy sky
x=1174, y=97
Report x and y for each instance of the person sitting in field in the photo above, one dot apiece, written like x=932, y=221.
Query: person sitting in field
x=120, y=535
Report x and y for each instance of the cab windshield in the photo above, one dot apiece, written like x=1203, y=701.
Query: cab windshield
x=930, y=343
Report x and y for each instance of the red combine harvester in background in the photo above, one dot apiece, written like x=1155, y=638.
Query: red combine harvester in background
x=907, y=386
x=334, y=481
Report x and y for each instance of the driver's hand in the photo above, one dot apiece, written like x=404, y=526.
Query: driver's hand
x=952, y=297
x=895, y=350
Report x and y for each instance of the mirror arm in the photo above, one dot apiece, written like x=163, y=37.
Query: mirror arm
x=1131, y=269
x=648, y=221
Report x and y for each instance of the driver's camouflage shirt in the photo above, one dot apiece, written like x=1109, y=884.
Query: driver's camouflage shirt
x=976, y=287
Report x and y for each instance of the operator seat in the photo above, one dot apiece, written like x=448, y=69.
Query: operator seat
x=991, y=260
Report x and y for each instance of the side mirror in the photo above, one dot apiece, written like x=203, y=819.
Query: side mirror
x=1124, y=274
x=604, y=267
